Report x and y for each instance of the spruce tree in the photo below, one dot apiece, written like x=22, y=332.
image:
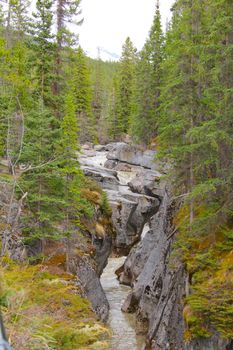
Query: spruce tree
x=20, y=18
x=114, y=127
x=144, y=122
x=75, y=203
x=42, y=179
x=196, y=135
x=98, y=97
x=81, y=85
x=67, y=12
x=43, y=52
x=126, y=86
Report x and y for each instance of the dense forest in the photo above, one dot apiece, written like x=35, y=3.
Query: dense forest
x=174, y=96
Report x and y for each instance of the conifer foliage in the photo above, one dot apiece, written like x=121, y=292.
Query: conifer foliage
x=39, y=133
x=148, y=84
x=123, y=86
x=177, y=93
x=195, y=133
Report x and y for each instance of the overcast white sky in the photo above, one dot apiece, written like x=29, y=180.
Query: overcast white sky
x=107, y=23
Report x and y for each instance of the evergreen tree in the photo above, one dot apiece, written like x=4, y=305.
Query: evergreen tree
x=76, y=204
x=126, y=85
x=41, y=179
x=196, y=135
x=67, y=13
x=114, y=128
x=144, y=123
x=43, y=51
x=19, y=17
x=83, y=96
x=97, y=100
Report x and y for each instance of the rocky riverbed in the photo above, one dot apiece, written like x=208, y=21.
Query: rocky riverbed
x=142, y=216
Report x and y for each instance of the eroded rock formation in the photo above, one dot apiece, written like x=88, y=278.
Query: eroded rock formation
x=157, y=276
x=131, y=208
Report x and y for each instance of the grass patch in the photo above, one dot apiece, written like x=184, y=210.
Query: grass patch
x=43, y=311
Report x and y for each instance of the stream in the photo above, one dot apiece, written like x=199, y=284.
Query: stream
x=122, y=324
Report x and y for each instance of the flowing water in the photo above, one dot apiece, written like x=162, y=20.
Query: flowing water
x=123, y=325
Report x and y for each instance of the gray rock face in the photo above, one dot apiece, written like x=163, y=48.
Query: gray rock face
x=158, y=283
x=148, y=182
x=157, y=291
x=91, y=286
x=130, y=212
x=100, y=148
x=103, y=248
x=158, y=279
x=132, y=155
x=131, y=208
x=89, y=266
x=137, y=259
x=107, y=180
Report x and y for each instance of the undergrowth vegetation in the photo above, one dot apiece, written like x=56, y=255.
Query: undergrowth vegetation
x=209, y=262
x=44, y=311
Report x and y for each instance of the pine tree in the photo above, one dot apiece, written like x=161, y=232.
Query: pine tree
x=43, y=51
x=114, y=128
x=42, y=178
x=97, y=100
x=196, y=135
x=19, y=18
x=126, y=85
x=70, y=127
x=83, y=97
x=144, y=123
x=76, y=204
x=67, y=12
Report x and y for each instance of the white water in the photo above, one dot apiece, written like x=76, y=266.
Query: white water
x=97, y=160
x=123, y=325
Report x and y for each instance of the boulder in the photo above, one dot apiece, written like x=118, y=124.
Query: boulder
x=148, y=182
x=130, y=212
x=106, y=179
x=100, y=148
x=110, y=164
x=87, y=146
x=132, y=155
x=90, y=153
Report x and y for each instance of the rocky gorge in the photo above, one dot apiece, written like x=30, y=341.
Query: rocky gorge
x=143, y=210
x=123, y=260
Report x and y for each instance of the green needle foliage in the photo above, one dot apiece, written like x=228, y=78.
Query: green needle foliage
x=81, y=85
x=176, y=93
x=122, y=99
x=145, y=115
x=195, y=133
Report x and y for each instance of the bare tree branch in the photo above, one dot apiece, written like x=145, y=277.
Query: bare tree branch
x=38, y=166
